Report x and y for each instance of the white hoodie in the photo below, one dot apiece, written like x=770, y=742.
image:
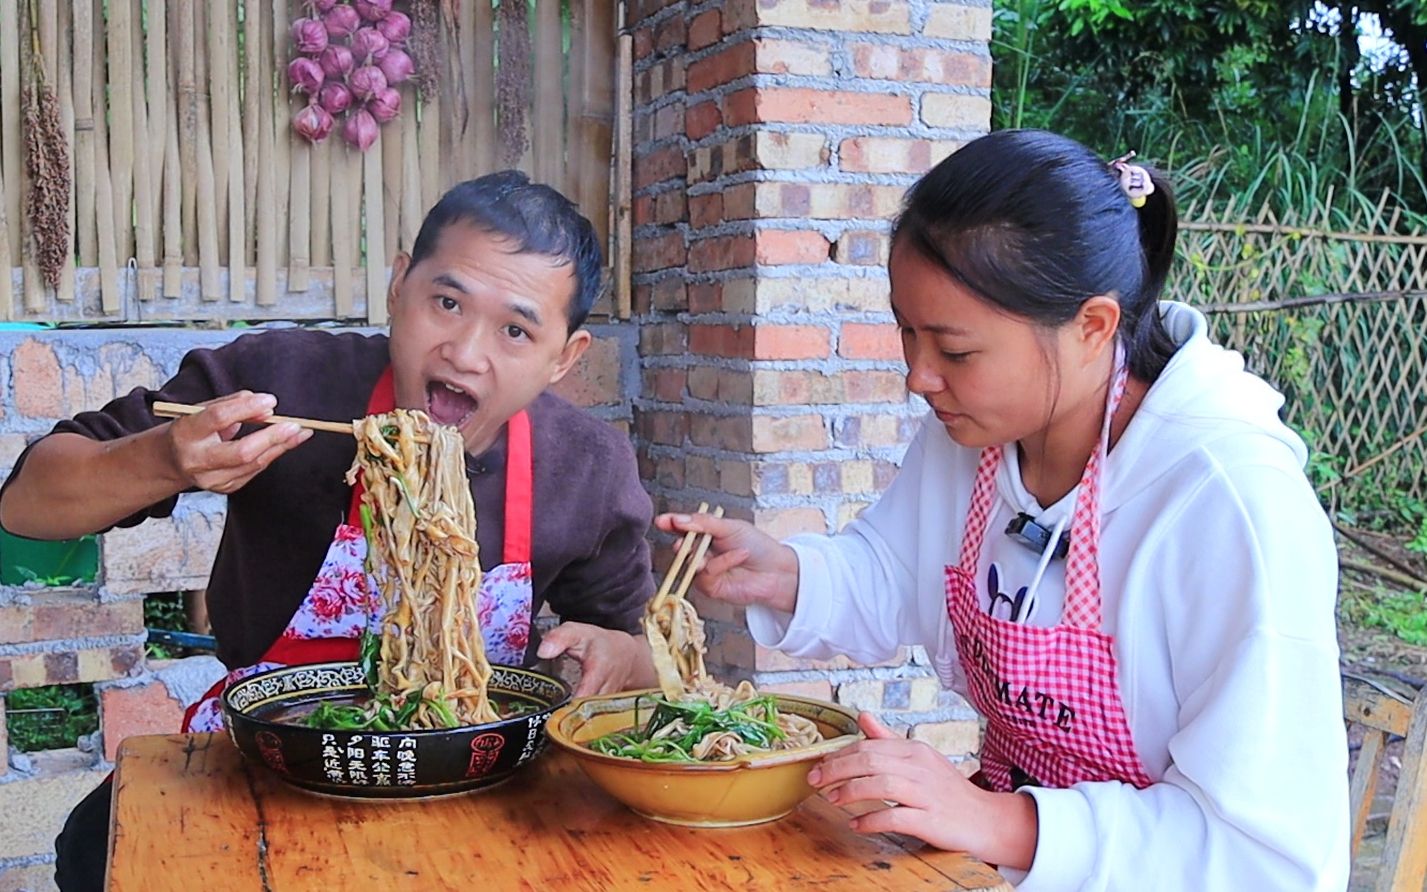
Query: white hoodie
x=1218, y=582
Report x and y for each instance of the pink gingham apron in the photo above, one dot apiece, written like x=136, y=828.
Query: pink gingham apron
x=342, y=602
x=1050, y=695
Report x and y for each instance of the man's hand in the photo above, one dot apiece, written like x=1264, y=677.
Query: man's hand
x=610, y=661
x=205, y=454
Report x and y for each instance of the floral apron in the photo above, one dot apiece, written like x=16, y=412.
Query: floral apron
x=342, y=602
x=1050, y=695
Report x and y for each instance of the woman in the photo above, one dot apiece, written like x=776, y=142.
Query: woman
x=1103, y=537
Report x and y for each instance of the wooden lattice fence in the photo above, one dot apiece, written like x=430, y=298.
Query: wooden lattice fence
x=1338, y=320
x=192, y=198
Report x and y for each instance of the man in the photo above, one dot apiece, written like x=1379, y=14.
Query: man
x=486, y=313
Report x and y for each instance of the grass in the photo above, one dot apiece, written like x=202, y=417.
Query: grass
x=52, y=717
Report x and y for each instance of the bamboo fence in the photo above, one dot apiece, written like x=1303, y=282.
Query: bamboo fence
x=192, y=198
x=1335, y=319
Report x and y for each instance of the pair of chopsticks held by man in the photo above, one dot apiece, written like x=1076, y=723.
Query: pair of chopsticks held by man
x=1101, y=535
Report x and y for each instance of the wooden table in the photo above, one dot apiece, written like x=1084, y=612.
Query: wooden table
x=189, y=813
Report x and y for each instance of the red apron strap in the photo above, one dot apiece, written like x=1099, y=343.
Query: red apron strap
x=301, y=651
x=383, y=399
x=519, y=491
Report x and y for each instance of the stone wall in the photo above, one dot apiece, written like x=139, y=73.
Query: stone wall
x=774, y=140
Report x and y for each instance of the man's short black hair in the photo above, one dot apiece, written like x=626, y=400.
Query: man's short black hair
x=537, y=218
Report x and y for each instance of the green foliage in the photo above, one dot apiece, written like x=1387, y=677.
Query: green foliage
x=165, y=611
x=51, y=717
x=1401, y=613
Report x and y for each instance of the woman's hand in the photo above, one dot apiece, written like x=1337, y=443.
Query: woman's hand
x=744, y=565
x=610, y=660
x=919, y=793
x=204, y=453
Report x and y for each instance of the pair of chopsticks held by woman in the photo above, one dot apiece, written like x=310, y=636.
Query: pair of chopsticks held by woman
x=1101, y=536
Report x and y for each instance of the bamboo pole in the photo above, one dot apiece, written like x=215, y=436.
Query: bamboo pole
x=376, y=238
x=482, y=120
x=11, y=137
x=596, y=103
x=31, y=284
x=411, y=208
x=58, y=48
x=343, y=237
x=430, y=150
x=121, y=123
x=172, y=194
x=392, y=181
x=145, y=235
x=156, y=64
x=184, y=33
x=237, y=193
x=299, y=243
x=208, y=260
x=453, y=102
x=220, y=51
x=322, y=201
x=275, y=55
x=624, y=181
x=549, y=118
x=575, y=64
x=7, y=295
x=267, y=234
x=252, y=77
x=103, y=184
x=468, y=136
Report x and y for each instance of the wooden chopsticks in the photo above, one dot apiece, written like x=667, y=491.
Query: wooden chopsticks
x=176, y=410
x=667, y=588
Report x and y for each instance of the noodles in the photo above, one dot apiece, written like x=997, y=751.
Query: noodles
x=430, y=669
x=699, y=719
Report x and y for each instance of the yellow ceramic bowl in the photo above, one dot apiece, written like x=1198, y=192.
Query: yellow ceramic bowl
x=749, y=790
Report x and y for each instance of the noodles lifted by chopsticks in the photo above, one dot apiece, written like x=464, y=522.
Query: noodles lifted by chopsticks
x=421, y=535
x=700, y=719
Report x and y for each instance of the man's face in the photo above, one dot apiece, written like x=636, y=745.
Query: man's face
x=478, y=331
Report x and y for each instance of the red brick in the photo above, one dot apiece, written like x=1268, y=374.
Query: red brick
x=732, y=432
x=665, y=384
x=869, y=341
x=800, y=105
x=721, y=252
x=956, y=21
x=38, y=381
x=595, y=379
x=793, y=432
x=659, y=165
x=702, y=119
x=669, y=294
x=792, y=57
x=706, y=210
x=774, y=387
x=739, y=202
x=705, y=30
x=722, y=340
x=871, y=386
x=706, y=297
x=671, y=34
x=141, y=709
x=659, y=252
x=790, y=342
x=956, y=110
x=781, y=523
x=664, y=428
x=920, y=65
x=780, y=246
x=874, y=154
x=858, y=16
x=861, y=248
x=662, y=338
x=722, y=67
x=643, y=42
x=663, y=208
x=703, y=382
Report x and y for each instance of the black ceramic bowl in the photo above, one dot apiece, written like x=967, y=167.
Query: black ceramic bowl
x=261, y=711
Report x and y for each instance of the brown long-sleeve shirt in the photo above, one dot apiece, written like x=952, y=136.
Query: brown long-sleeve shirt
x=590, y=561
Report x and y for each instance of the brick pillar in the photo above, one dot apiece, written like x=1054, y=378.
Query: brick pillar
x=774, y=141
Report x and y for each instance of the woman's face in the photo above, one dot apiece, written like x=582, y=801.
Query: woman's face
x=990, y=377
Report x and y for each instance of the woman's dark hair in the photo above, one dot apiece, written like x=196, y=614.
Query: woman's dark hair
x=538, y=219
x=1037, y=224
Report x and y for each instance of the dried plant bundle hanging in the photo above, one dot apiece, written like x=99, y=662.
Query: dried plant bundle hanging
x=47, y=161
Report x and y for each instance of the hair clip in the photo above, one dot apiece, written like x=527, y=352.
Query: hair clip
x=1135, y=181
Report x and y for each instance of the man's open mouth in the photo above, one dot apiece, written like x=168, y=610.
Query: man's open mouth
x=448, y=404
